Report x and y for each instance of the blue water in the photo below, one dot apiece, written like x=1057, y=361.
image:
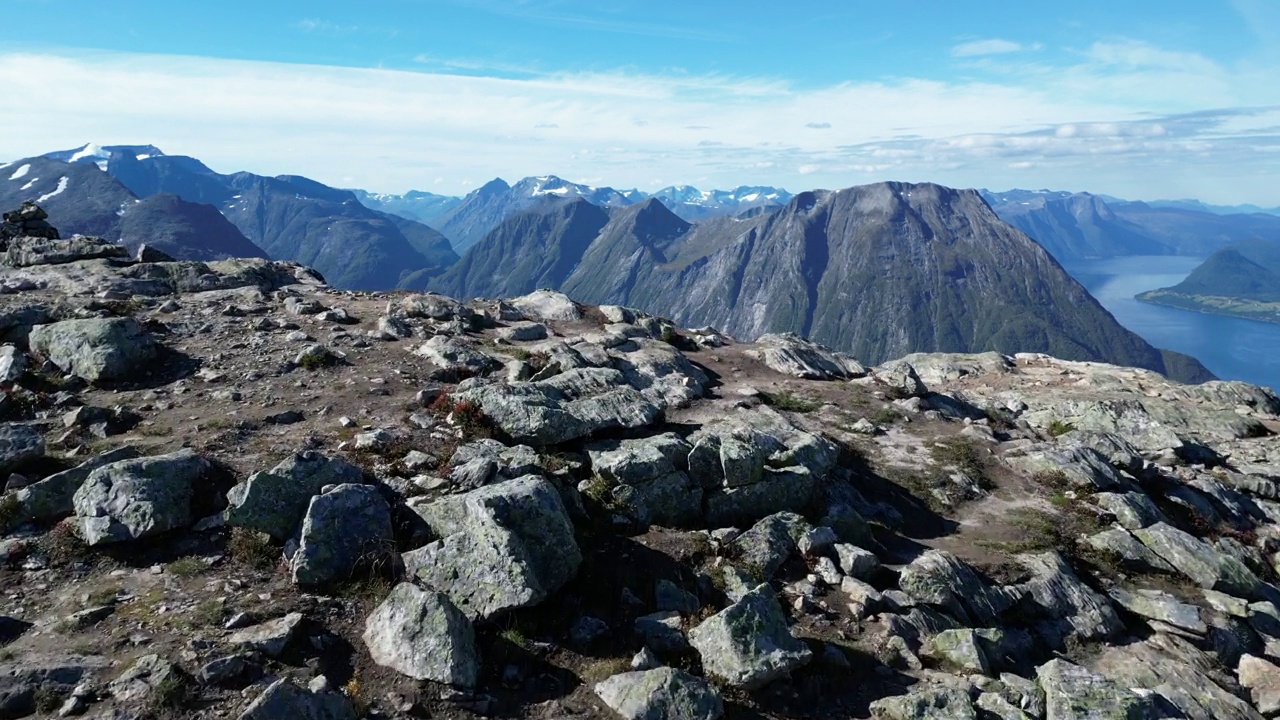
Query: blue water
x=1234, y=349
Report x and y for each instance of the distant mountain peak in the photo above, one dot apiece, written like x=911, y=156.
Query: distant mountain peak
x=101, y=154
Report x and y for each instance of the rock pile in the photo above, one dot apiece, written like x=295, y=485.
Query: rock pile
x=30, y=220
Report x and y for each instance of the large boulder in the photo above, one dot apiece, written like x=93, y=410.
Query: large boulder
x=510, y=545
x=348, y=526
x=420, y=633
x=54, y=496
x=660, y=694
x=546, y=306
x=647, y=481
x=96, y=349
x=1199, y=561
x=1074, y=693
x=748, y=644
x=133, y=499
x=275, y=501
x=940, y=578
x=925, y=704
x=795, y=356
x=1186, y=677
x=1063, y=605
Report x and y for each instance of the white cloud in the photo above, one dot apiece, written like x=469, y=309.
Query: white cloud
x=992, y=46
x=1118, y=120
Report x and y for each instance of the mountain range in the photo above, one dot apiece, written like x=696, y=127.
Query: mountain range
x=874, y=270
x=878, y=271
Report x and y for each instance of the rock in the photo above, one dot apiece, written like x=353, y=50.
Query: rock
x=1074, y=693
x=998, y=708
x=1082, y=467
x=1160, y=606
x=1132, y=554
x=748, y=643
x=1199, y=561
x=19, y=444
x=855, y=561
x=456, y=357
x=54, y=496
x=96, y=349
x=939, y=578
x=13, y=364
x=275, y=501
x=134, y=499
x=766, y=545
x=660, y=694
x=149, y=254
x=960, y=649
x=421, y=634
x=1262, y=680
x=647, y=481
x=662, y=631
x=670, y=596
x=344, y=528
x=224, y=670
x=587, y=631
x=795, y=356
x=512, y=544
x=1066, y=607
x=29, y=251
x=645, y=660
x=901, y=379
x=149, y=674
x=21, y=678
x=1183, y=677
x=926, y=704
x=284, y=699
x=546, y=306
x=1133, y=510
x=269, y=638
x=523, y=332
x=314, y=355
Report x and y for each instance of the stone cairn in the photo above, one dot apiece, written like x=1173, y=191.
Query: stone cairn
x=30, y=220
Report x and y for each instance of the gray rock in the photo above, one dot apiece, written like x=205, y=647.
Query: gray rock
x=344, y=528
x=134, y=499
x=269, y=638
x=1161, y=606
x=645, y=660
x=13, y=364
x=1133, y=510
x=959, y=648
x=998, y=708
x=19, y=444
x=28, y=251
x=856, y=561
x=512, y=546
x=1199, y=561
x=1262, y=680
x=284, y=699
x=939, y=578
x=150, y=254
x=587, y=631
x=275, y=501
x=224, y=670
x=22, y=677
x=457, y=356
x=143, y=678
x=96, y=349
x=660, y=694
x=1131, y=553
x=420, y=633
x=662, y=631
x=1068, y=607
x=766, y=545
x=901, y=378
x=1074, y=693
x=523, y=332
x=748, y=643
x=926, y=704
x=795, y=356
x=1083, y=467
x=1179, y=673
x=670, y=596
x=546, y=306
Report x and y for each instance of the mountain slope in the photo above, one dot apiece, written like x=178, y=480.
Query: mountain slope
x=878, y=271
x=295, y=218
x=1082, y=226
x=423, y=207
x=82, y=199
x=1240, y=280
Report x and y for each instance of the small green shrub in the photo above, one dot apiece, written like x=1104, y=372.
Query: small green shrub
x=186, y=566
x=47, y=699
x=1058, y=428
x=10, y=510
x=783, y=400
x=962, y=454
x=886, y=416
x=314, y=361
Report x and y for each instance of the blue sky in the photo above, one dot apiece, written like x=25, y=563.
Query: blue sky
x=1137, y=99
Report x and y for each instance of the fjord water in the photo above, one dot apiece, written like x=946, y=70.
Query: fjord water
x=1234, y=349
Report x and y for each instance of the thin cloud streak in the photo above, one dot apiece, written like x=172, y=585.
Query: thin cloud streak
x=394, y=130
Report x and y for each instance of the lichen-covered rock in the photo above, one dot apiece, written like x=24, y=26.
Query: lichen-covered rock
x=28, y=251
x=143, y=678
x=1262, y=679
x=1183, y=676
x=546, y=306
x=284, y=699
x=959, y=648
x=134, y=499
x=1133, y=510
x=421, y=634
x=660, y=694
x=940, y=578
x=765, y=546
x=275, y=501
x=348, y=526
x=748, y=643
x=901, y=378
x=1199, y=561
x=646, y=480
x=269, y=638
x=54, y=496
x=1160, y=606
x=1074, y=693
x=1065, y=606
x=96, y=349
x=1132, y=554
x=512, y=546
x=926, y=704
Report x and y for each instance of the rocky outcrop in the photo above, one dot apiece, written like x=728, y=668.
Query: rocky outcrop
x=96, y=350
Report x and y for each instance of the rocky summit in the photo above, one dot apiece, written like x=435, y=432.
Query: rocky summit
x=233, y=491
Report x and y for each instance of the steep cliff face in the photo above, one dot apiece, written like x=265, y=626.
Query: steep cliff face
x=878, y=271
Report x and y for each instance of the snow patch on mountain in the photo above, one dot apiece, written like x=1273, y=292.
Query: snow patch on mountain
x=62, y=187
x=20, y=172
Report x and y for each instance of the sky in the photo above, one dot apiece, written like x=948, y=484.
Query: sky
x=1136, y=99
